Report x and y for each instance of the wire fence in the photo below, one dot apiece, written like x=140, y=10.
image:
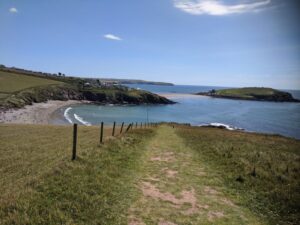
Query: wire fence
x=123, y=129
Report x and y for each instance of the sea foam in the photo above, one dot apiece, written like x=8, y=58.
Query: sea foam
x=80, y=119
x=221, y=125
x=67, y=116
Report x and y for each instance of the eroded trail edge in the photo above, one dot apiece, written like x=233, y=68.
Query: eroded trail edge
x=175, y=189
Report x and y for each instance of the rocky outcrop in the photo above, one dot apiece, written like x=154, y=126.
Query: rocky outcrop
x=255, y=95
x=66, y=92
x=125, y=97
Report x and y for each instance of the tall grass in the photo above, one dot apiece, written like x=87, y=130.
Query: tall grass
x=41, y=185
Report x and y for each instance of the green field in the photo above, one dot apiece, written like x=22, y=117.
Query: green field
x=183, y=175
x=12, y=82
x=18, y=90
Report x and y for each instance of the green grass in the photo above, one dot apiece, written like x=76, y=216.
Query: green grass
x=168, y=152
x=18, y=90
x=273, y=190
x=28, y=151
x=39, y=184
x=249, y=92
x=12, y=82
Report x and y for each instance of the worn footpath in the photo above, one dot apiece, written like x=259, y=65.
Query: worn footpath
x=175, y=189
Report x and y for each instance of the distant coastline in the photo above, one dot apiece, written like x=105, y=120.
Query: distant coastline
x=133, y=81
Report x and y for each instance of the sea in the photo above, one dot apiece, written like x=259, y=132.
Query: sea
x=253, y=116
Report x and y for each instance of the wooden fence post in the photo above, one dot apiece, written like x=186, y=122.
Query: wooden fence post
x=74, y=141
x=113, y=131
x=122, y=127
x=101, y=133
x=141, y=125
x=136, y=125
x=128, y=127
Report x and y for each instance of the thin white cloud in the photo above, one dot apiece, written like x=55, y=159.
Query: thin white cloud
x=218, y=7
x=13, y=10
x=112, y=37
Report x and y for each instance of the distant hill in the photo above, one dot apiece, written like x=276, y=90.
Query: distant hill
x=252, y=93
x=133, y=81
x=103, y=80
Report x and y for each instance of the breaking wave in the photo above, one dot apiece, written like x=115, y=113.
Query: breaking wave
x=80, y=119
x=221, y=125
x=67, y=116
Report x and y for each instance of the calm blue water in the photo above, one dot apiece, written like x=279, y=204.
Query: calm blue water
x=267, y=117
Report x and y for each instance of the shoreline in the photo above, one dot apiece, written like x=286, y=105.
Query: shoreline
x=37, y=113
x=180, y=95
x=246, y=99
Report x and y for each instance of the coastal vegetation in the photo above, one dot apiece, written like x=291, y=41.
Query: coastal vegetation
x=261, y=170
x=18, y=89
x=39, y=184
x=252, y=93
x=172, y=173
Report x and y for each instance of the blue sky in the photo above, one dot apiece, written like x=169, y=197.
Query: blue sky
x=198, y=42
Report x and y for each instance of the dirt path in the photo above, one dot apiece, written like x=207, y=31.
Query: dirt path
x=175, y=189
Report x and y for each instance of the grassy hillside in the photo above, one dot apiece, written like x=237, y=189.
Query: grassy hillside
x=18, y=90
x=261, y=170
x=11, y=82
x=252, y=93
x=184, y=175
x=91, y=80
x=39, y=184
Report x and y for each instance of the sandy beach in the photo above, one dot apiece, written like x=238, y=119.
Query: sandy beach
x=37, y=113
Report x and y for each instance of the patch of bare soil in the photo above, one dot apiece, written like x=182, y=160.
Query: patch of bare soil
x=200, y=173
x=164, y=157
x=162, y=222
x=187, y=197
x=210, y=190
x=135, y=221
x=214, y=215
x=152, y=179
x=169, y=173
x=228, y=202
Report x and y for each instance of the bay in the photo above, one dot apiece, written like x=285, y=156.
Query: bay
x=256, y=116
